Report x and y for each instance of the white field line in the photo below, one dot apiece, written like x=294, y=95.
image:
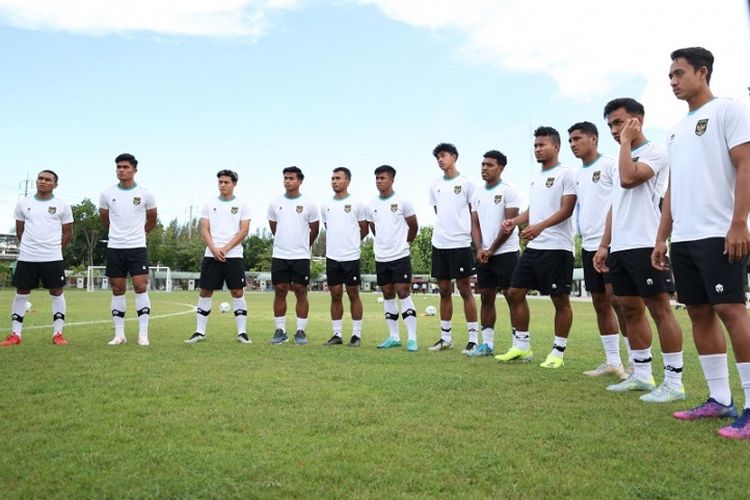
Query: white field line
x=100, y=321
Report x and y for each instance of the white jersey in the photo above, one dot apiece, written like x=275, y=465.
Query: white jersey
x=490, y=204
x=42, y=228
x=127, y=215
x=388, y=215
x=545, y=198
x=293, y=217
x=342, y=218
x=224, y=218
x=594, y=189
x=703, y=177
x=635, y=211
x=452, y=197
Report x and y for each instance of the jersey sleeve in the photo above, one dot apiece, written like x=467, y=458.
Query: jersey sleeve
x=569, y=183
x=361, y=212
x=408, y=208
x=246, y=214
x=607, y=175
x=271, y=213
x=433, y=198
x=150, y=201
x=19, y=212
x=512, y=198
x=205, y=212
x=736, y=125
x=655, y=158
x=473, y=202
x=323, y=209
x=470, y=189
x=314, y=214
x=103, y=202
x=67, y=214
x=368, y=213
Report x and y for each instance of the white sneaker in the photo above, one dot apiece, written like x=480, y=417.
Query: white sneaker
x=242, y=338
x=118, y=340
x=607, y=369
x=143, y=340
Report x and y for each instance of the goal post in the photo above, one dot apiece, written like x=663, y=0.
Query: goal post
x=159, y=278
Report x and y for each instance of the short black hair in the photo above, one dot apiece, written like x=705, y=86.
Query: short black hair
x=501, y=159
x=548, y=132
x=128, y=158
x=49, y=172
x=294, y=170
x=697, y=57
x=228, y=173
x=386, y=169
x=445, y=147
x=631, y=106
x=347, y=172
x=585, y=127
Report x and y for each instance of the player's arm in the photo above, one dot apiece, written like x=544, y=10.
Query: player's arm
x=502, y=236
x=239, y=236
x=737, y=242
x=150, y=219
x=476, y=232
x=314, y=230
x=602, y=252
x=567, y=205
x=104, y=216
x=411, y=222
x=510, y=224
x=372, y=227
x=272, y=225
x=20, y=226
x=658, y=256
x=364, y=229
x=67, y=234
x=632, y=174
x=206, y=233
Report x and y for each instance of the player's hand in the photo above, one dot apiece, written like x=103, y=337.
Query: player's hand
x=630, y=131
x=218, y=253
x=659, y=256
x=482, y=256
x=508, y=226
x=737, y=242
x=532, y=231
x=600, y=259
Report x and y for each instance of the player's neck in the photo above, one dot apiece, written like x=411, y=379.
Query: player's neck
x=341, y=195
x=126, y=184
x=490, y=183
x=292, y=194
x=550, y=164
x=450, y=172
x=590, y=158
x=386, y=194
x=638, y=142
x=700, y=99
x=44, y=196
x=229, y=197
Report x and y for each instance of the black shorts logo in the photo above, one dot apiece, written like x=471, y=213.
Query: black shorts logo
x=394, y=207
x=550, y=182
x=498, y=199
x=596, y=176
x=347, y=208
x=299, y=209
x=701, y=126
x=457, y=189
x=52, y=210
x=234, y=210
x=136, y=200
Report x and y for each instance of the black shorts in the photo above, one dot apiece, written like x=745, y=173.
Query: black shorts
x=346, y=272
x=395, y=271
x=290, y=271
x=124, y=261
x=632, y=274
x=593, y=279
x=548, y=271
x=498, y=270
x=29, y=274
x=705, y=276
x=215, y=273
x=452, y=263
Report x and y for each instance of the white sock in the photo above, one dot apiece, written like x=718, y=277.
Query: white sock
x=301, y=324
x=716, y=372
x=673, y=368
x=744, y=370
x=356, y=328
x=143, y=307
x=488, y=337
x=558, y=346
x=201, y=315
x=642, y=363
x=473, y=332
x=18, y=309
x=58, y=313
x=611, y=344
x=280, y=323
x=629, y=350
x=239, y=305
x=522, y=340
x=118, y=314
x=446, y=333
x=336, y=326
x=391, y=317
x=409, y=313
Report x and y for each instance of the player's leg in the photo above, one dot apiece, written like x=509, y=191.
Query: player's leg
x=440, y=270
x=408, y=310
x=281, y=278
x=337, y=313
x=58, y=315
x=470, y=311
x=142, y=306
x=203, y=309
x=356, y=308
x=670, y=339
x=25, y=279
x=608, y=334
x=388, y=288
x=300, y=280
x=487, y=317
x=233, y=275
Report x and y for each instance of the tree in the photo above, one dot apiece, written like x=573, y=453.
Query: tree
x=421, y=251
x=258, y=249
x=88, y=230
x=367, y=257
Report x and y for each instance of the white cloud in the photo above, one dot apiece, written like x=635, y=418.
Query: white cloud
x=216, y=18
x=589, y=46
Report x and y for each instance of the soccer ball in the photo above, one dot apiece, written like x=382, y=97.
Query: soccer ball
x=430, y=311
x=224, y=307
x=380, y=300
x=28, y=305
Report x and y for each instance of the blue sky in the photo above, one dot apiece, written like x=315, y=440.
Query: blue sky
x=257, y=85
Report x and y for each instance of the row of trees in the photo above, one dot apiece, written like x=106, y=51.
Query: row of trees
x=181, y=246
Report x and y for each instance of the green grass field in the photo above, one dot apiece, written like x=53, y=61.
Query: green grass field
x=220, y=419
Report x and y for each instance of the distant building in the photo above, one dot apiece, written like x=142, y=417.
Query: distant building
x=8, y=247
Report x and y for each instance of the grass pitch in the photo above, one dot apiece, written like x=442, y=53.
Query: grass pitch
x=219, y=419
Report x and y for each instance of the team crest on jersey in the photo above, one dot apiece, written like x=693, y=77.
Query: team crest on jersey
x=234, y=210
x=701, y=126
x=52, y=210
x=299, y=209
x=550, y=182
x=347, y=208
x=457, y=189
x=596, y=176
x=498, y=199
x=136, y=200
x=394, y=207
